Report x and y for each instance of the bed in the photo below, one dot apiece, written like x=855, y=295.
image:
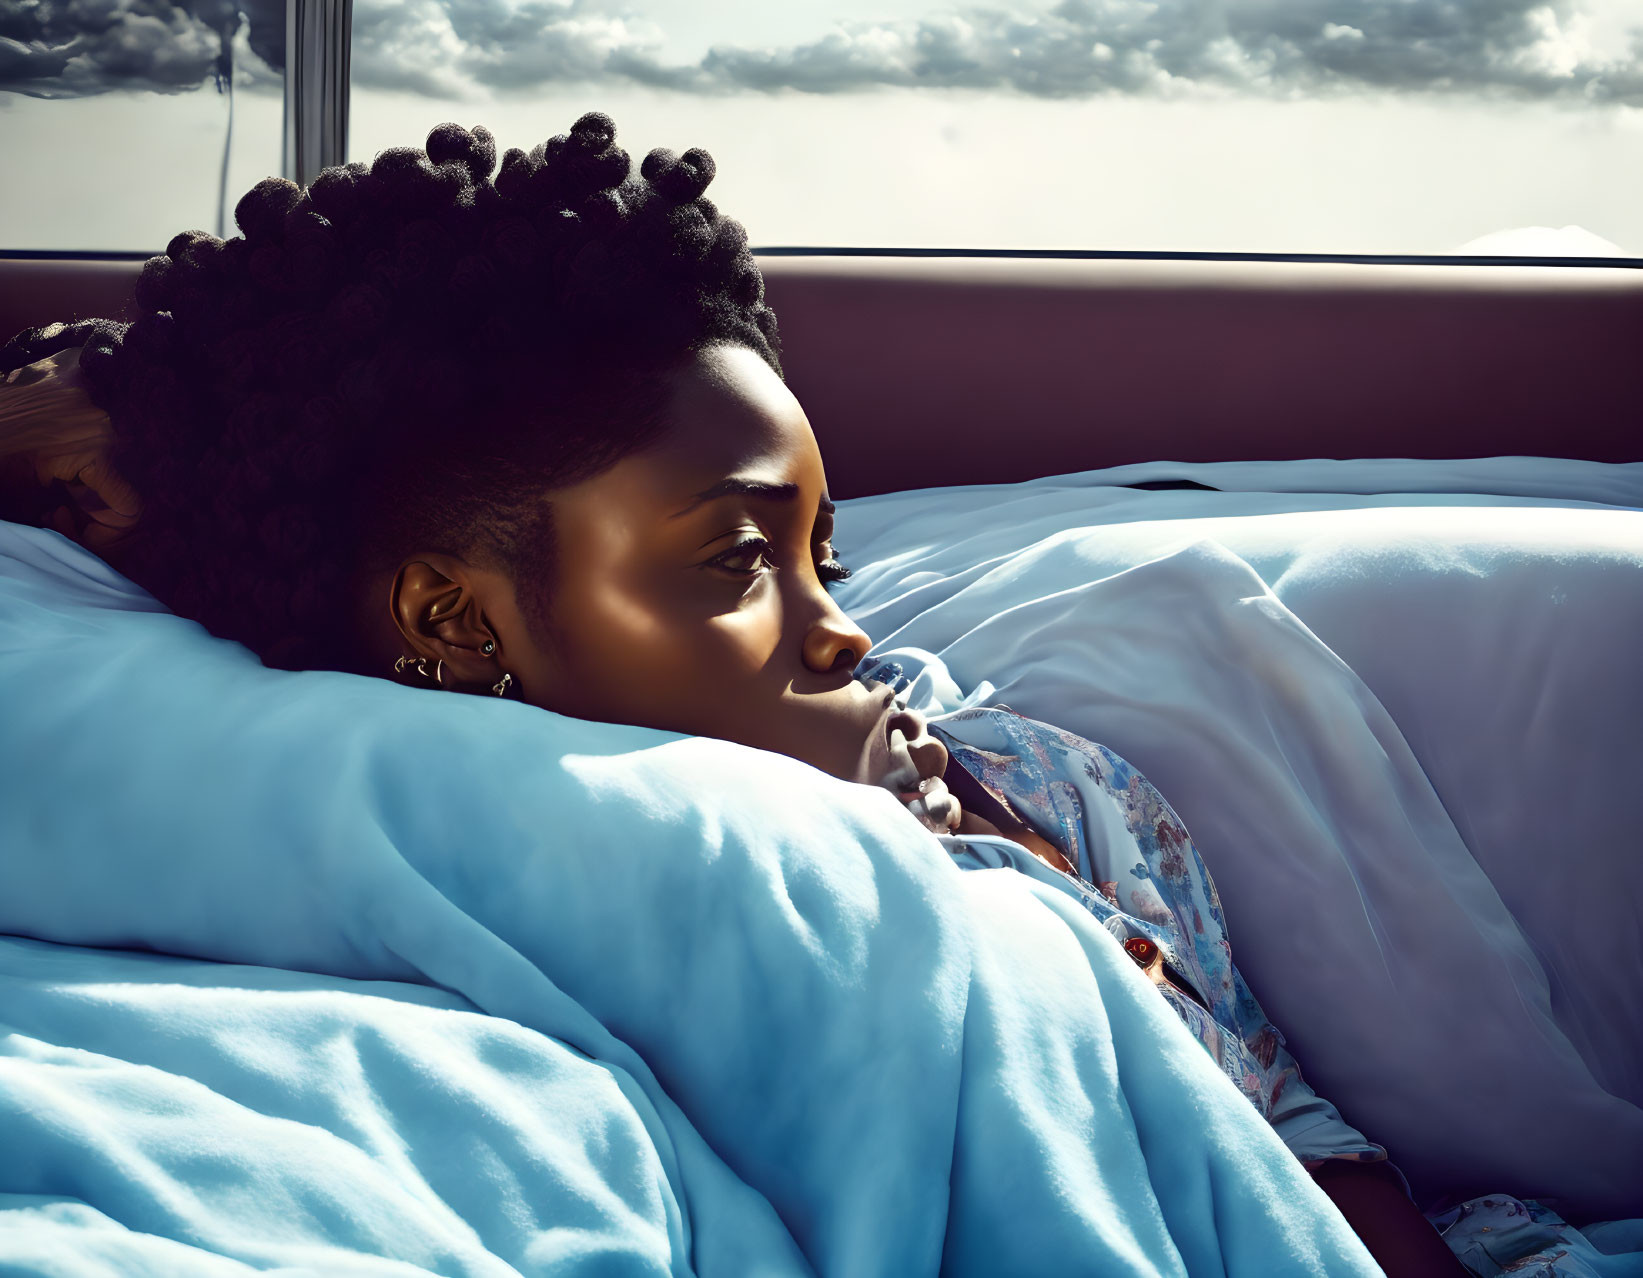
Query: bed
x=281, y=994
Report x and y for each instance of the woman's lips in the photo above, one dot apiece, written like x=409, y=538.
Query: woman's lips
x=877, y=759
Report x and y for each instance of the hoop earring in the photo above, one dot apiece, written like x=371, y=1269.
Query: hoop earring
x=439, y=674
x=501, y=686
x=420, y=664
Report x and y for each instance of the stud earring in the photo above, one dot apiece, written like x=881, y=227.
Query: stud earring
x=488, y=647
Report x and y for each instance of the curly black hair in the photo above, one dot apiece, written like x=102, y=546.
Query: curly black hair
x=404, y=355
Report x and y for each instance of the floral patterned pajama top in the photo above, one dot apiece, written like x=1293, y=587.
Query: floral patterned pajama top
x=1141, y=876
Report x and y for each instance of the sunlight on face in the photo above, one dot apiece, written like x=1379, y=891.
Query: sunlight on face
x=690, y=583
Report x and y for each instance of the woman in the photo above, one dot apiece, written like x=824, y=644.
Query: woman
x=527, y=437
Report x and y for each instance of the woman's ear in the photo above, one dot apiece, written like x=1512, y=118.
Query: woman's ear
x=436, y=603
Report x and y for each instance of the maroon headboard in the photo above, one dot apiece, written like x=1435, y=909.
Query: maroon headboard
x=1031, y=366
x=41, y=290
x=1020, y=367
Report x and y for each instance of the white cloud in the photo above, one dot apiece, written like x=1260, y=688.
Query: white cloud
x=1552, y=51
x=1586, y=52
x=1542, y=241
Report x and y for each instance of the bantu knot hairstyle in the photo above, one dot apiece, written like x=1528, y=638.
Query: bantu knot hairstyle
x=405, y=354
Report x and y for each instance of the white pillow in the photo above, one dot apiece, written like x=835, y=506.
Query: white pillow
x=1500, y=635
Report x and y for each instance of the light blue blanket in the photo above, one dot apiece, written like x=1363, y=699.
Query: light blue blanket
x=742, y=1018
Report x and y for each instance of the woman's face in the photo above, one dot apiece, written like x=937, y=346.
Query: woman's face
x=688, y=588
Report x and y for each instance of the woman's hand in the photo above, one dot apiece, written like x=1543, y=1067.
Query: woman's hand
x=1402, y=1241
x=930, y=801
x=52, y=433
x=913, y=772
x=917, y=775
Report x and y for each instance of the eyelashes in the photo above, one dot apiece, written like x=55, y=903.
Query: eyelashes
x=829, y=570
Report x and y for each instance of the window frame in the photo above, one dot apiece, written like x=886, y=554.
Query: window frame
x=318, y=64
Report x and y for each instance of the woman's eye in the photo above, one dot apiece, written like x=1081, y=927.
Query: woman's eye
x=831, y=570
x=751, y=556
x=745, y=556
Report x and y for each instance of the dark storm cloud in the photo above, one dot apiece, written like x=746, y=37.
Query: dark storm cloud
x=75, y=48
x=444, y=47
x=1526, y=49
x=1079, y=48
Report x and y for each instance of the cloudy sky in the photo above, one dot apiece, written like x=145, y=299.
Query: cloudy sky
x=1360, y=126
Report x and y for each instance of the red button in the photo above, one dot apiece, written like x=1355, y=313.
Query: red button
x=1141, y=950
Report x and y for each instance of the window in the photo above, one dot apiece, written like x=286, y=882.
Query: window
x=1400, y=127
x=1150, y=126
x=122, y=125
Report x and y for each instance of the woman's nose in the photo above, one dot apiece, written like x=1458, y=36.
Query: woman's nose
x=834, y=642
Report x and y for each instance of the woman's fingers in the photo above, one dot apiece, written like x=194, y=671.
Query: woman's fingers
x=934, y=805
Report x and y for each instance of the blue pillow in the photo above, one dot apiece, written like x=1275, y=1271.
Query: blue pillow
x=836, y=1039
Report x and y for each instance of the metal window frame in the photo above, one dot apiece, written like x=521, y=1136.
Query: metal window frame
x=318, y=37
x=1144, y=255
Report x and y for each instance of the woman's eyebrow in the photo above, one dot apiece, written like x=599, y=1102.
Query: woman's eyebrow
x=748, y=488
